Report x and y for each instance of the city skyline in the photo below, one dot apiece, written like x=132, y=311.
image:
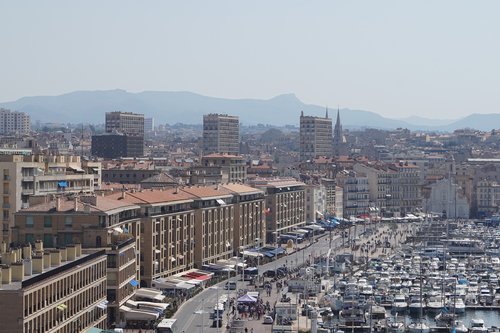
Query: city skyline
x=395, y=59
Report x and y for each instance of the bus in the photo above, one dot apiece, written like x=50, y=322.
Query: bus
x=167, y=326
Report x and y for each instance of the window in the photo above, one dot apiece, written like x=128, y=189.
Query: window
x=29, y=221
x=47, y=221
x=48, y=240
x=30, y=238
x=68, y=221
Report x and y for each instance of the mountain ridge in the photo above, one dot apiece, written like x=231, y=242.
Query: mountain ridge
x=90, y=106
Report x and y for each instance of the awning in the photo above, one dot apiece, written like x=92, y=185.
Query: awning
x=77, y=169
x=134, y=283
x=252, y=254
x=103, y=305
x=62, y=184
x=138, y=314
x=269, y=254
x=247, y=299
x=118, y=230
x=62, y=307
x=278, y=250
x=149, y=294
x=221, y=202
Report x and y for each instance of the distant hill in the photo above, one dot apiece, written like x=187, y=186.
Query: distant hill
x=189, y=108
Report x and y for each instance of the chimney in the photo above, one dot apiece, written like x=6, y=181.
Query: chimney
x=71, y=252
x=38, y=264
x=76, y=204
x=9, y=257
x=17, y=271
x=26, y=252
x=6, y=274
x=39, y=246
x=55, y=258
x=78, y=248
x=123, y=192
x=46, y=260
x=64, y=254
x=28, y=267
x=58, y=204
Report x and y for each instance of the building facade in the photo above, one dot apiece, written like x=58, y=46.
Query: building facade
x=221, y=134
x=14, y=122
x=30, y=179
x=285, y=205
x=249, y=216
x=233, y=167
x=315, y=137
x=57, y=290
x=315, y=202
x=355, y=193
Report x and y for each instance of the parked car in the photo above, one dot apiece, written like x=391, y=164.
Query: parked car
x=268, y=320
x=231, y=285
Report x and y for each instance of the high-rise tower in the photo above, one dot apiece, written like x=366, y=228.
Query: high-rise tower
x=315, y=136
x=221, y=134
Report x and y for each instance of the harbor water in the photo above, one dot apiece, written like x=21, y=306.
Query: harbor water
x=490, y=317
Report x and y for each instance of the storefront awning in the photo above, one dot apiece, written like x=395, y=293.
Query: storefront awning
x=134, y=283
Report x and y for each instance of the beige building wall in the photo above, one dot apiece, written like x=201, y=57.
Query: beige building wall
x=62, y=300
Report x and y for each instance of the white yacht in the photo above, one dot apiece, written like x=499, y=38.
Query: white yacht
x=456, y=306
x=418, y=328
x=399, y=304
x=477, y=326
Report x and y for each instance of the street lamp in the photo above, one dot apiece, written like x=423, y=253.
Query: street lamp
x=217, y=306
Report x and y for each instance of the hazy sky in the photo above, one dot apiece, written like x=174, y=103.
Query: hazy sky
x=438, y=59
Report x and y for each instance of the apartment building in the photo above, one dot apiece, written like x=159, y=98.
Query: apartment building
x=285, y=205
x=249, y=216
x=355, y=193
x=316, y=137
x=221, y=134
x=124, y=136
x=30, y=179
x=233, y=167
x=409, y=187
x=213, y=224
x=56, y=290
x=330, y=186
x=166, y=231
x=315, y=202
x=14, y=122
x=125, y=122
x=128, y=172
x=488, y=197
x=383, y=186
x=97, y=223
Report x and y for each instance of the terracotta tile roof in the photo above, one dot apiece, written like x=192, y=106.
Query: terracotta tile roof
x=207, y=191
x=241, y=189
x=103, y=204
x=153, y=196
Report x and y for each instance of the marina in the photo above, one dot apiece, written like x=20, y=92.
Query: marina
x=443, y=278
